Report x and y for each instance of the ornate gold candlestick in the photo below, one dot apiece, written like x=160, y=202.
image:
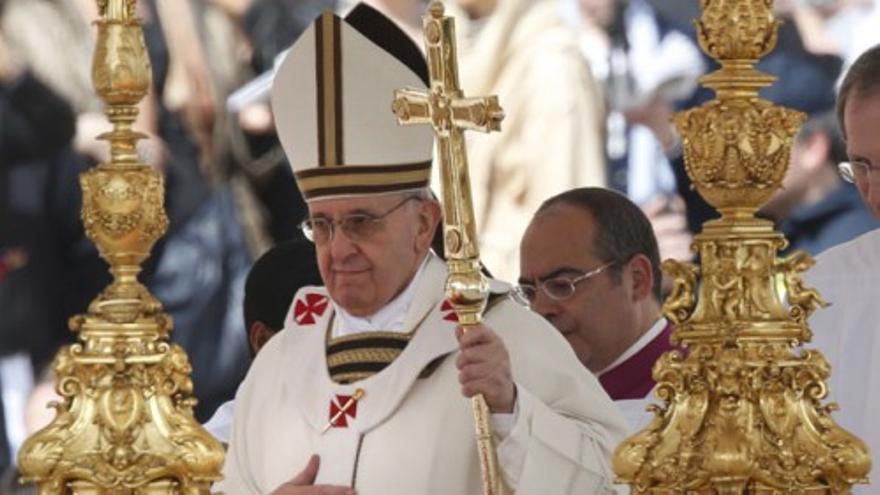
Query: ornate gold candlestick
x=125, y=425
x=742, y=410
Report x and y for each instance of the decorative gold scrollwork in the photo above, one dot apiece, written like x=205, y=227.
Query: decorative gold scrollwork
x=125, y=424
x=741, y=408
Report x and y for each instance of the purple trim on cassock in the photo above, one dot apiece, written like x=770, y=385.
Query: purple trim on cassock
x=632, y=378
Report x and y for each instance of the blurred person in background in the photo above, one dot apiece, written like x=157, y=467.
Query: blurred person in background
x=865, y=34
x=831, y=27
x=269, y=27
x=35, y=127
x=200, y=270
x=806, y=83
x=551, y=137
x=816, y=208
x=806, y=76
x=646, y=66
x=679, y=12
x=197, y=269
x=54, y=39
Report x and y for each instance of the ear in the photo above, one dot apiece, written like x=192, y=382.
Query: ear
x=258, y=335
x=428, y=221
x=642, y=277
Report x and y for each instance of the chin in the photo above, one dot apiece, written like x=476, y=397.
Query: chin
x=350, y=283
x=349, y=299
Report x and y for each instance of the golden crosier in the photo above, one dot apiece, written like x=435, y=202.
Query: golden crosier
x=742, y=410
x=446, y=109
x=125, y=424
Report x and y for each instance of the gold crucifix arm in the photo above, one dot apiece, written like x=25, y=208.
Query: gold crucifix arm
x=445, y=113
x=412, y=106
x=450, y=117
x=418, y=107
x=478, y=114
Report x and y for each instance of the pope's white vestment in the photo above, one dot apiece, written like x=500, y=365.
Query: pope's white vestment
x=412, y=432
x=848, y=335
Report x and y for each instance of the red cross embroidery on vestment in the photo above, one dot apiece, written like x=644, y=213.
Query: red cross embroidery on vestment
x=306, y=309
x=337, y=404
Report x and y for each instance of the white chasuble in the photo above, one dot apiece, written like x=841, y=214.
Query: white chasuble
x=412, y=432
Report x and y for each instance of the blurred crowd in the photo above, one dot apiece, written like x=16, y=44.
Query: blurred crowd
x=588, y=88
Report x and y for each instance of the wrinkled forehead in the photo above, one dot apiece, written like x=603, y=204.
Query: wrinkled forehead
x=336, y=206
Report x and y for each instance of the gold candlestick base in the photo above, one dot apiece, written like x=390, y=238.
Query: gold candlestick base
x=742, y=409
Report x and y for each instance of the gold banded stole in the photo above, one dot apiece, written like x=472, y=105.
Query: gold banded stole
x=356, y=357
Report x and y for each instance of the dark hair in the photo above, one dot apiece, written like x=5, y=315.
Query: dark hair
x=826, y=124
x=623, y=229
x=862, y=79
x=274, y=280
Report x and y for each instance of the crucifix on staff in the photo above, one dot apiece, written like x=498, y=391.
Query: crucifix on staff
x=445, y=108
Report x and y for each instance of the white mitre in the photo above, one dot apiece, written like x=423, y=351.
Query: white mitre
x=332, y=100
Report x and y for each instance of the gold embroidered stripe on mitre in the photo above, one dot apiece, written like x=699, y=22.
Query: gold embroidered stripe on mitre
x=356, y=357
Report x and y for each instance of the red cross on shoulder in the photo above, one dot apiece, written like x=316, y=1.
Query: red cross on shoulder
x=309, y=307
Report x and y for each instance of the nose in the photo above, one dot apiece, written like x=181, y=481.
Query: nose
x=544, y=305
x=341, y=246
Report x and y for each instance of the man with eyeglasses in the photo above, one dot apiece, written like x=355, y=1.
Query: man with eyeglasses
x=589, y=264
x=848, y=275
x=366, y=388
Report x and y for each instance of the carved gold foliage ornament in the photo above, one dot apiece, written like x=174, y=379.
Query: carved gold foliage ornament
x=741, y=145
x=125, y=424
x=737, y=29
x=742, y=419
x=741, y=407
